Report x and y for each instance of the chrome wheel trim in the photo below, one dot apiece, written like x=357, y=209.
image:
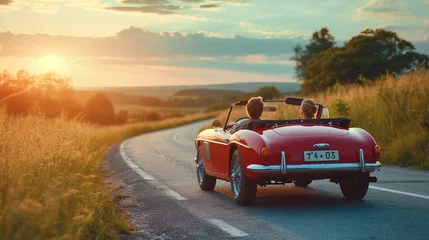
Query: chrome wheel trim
x=200, y=168
x=236, y=178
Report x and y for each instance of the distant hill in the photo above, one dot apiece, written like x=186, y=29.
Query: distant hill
x=203, y=92
x=166, y=91
x=253, y=86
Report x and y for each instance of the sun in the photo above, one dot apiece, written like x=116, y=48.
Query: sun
x=51, y=63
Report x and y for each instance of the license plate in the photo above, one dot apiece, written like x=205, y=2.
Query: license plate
x=325, y=155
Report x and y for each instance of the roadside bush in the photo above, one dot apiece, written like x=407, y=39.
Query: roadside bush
x=99, y=109
x=340, y=107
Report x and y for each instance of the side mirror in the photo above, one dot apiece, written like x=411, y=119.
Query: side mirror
x=216, y=124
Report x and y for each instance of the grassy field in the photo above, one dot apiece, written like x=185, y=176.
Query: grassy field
x=395, y=111
x=52, y=185
x=164, y=112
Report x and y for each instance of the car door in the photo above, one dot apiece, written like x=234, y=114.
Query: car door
x=220, y=152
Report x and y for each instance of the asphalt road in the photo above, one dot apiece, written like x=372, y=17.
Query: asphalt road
x=163, y=176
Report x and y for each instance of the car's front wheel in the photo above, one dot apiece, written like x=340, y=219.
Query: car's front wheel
x=353, y=189
x=206, y=182
x=243, y=189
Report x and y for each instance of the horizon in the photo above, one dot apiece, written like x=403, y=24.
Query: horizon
x=131, y=43
x=198, y=86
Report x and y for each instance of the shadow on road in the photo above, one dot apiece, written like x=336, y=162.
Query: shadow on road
x=294, y=199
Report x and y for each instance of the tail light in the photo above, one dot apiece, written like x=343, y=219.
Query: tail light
x=377, y=152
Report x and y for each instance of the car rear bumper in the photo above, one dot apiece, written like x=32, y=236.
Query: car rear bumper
x=361, y=166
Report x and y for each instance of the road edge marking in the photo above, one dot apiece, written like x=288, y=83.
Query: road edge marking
x=175, y=138
x=131, y=164
x=169, y=192
x=228, y=228
x=399, y=192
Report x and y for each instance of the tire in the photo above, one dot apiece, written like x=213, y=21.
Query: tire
x=354, y=190
x=302, y=183
x=205, y=181
x=243, y=189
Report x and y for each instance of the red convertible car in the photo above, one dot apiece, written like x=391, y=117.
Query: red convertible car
x=295, y=151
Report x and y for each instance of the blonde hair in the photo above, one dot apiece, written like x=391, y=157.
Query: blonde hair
x=255, y=107
x=308, y=108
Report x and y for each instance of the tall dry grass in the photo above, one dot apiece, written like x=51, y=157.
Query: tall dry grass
x=51, y=182
x=395, y=111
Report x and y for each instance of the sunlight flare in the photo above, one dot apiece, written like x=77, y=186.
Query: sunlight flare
x=52, y=63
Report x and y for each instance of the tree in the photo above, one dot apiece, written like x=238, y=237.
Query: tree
x=365, y=57
x=268, y=92
x=375, y=52
x=320, y=41
x=49, y=93
x=99, y=109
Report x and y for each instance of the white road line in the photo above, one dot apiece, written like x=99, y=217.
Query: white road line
x=399, y=192
x=146, y=176
x=172, y=193
x=175, y=138
x=233, y=231
x=132, y=165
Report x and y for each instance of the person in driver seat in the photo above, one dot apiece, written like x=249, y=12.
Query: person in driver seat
x=308, y=109
x=254, y=110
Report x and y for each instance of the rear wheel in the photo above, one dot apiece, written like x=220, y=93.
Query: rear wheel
x=206, y=182
x=243, y=189
x=354, y=189
x=302, y=182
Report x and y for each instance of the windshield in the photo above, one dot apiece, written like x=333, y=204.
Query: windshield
x=272, y=111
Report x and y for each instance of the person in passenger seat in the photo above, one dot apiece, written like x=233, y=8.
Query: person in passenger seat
x=254, y=110
x=308, y=109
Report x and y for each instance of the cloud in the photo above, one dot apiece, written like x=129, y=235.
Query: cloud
x=246, y=24
x=236, y=2
x=383, y=8
x=161, y=7
x=190, y=1
x=162, y=10
x=49, y=6
x=172, y=8
x=5, y=2
x=225, y=1
x=283, y=59
x=145, y=9
x=136, y=42
x=414, y=32
x=210, y=6
x=274, y=34
x=146, y=2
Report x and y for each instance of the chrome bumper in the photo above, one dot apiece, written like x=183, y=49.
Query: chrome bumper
x=321, y=167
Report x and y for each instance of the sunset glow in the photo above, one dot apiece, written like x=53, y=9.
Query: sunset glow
x=52, y=63
x=252, y=40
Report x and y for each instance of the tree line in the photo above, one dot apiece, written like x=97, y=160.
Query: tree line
x=51, y=95
x=365, y=57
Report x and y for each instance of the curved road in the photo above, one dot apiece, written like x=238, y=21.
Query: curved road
x=161, y=171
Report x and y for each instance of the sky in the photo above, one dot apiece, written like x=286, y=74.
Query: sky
x=180, y=42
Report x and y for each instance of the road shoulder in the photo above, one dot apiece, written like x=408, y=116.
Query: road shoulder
x=153, y=215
